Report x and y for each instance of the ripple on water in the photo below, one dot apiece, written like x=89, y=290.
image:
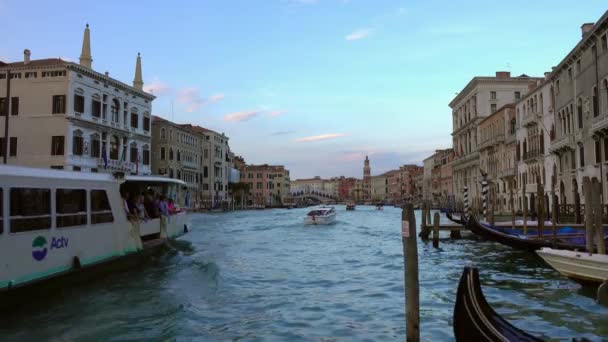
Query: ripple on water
x=264, y=276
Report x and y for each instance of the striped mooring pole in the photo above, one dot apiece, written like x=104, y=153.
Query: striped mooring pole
x=466, y=201
x=484, y=194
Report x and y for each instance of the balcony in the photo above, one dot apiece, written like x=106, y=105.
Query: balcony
x=563, y=143
x=495, y=140
x=529, y=120
x=506, y=173
x=599, y=124
x=531, y=156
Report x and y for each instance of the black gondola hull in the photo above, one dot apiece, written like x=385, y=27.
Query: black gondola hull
x=474, y=318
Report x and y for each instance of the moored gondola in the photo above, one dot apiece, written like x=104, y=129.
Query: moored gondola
x=458, y=220
x=515, y=238
x=474, y=318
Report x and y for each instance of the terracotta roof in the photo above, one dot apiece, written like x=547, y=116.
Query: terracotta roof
x=35, y=63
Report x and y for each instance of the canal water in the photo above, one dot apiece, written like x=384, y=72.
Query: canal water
x=264, y=276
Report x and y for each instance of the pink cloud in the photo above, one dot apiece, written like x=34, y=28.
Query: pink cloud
x=157, y=88
x=191, y=98
x=241, y=116
x=276, y=113
x=216, y=97
x=321, y=137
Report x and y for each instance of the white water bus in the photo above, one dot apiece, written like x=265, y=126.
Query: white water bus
x=54, y=222
x=322, y=215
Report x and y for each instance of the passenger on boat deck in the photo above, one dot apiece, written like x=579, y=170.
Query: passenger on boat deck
x=151, y=209
x=125, y=200
x=163, y=205
x=132, y=206
x=171, y=207
x=141, y=210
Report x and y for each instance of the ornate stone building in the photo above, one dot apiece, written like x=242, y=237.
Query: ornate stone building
x=481, y=97
x=579, y=89
x=65, y=115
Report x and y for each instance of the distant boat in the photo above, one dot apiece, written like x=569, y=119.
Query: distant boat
x=579, y=266
x=322, y=215
x=351, y=206
x=380, y=207
x=474, y=318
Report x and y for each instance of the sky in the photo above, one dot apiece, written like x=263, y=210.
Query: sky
x=315, y=85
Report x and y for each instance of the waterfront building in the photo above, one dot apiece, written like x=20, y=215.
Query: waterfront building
x=344, y=187
x=379, y=188
x=218, y=161
x=497, y=160
x=268, y=184
x=481, y=97
x=84, y=120
x=178, y=153
x=427, y=179
x=393, y=186
x=410, y=182
x=442, y=189
x=579, y=87
x=535, y=132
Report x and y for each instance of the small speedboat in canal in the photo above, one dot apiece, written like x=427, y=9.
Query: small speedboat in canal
x=380, y=207
x=58, y=223
x=474, y=318
x=566, y=237
x=351, y=206
x=580, y=266
x=321, y=215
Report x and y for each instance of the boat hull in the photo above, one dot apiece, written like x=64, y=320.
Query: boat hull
x=320, y=220
x=579, y=266
x=515, y=242
x=454, y=219
x=474, y=318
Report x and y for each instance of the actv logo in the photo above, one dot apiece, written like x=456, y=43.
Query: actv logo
x=40, y=251
x=39, y=248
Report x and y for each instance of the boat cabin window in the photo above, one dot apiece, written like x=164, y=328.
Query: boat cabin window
x=1, y=210
x=101, y=212
x=71, y=207
x=30, y=209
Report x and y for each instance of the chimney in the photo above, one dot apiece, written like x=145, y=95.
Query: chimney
x=107, y=73
x=547, y=75
x=503, y=74
x=586, y=28
x=26, y=56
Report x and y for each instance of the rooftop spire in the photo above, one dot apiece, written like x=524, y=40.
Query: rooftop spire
x=138, y=82
x=86, y=60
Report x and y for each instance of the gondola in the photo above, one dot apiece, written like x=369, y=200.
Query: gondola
x=474, y=318
x=455, y=220
x=514, y=239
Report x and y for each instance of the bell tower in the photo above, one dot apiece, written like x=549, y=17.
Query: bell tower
x=367, y=179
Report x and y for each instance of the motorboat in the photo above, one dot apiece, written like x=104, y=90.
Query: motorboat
x=580, y=266
x=379, y=207
x=476, y=320
x=58, y=223
x=321, y=215
x=351, y=206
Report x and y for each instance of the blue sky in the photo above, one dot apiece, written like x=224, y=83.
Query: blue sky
x=314, y=85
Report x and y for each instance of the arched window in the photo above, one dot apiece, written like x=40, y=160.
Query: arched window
x=606, y=97
x=163, y=133
x=95, y=145
x=579, y=112
x=114, y=144
x=134, y=118
x=595, y=102
x=133, y=152
x=170, y=154
x=114, y=109
x=541, y=104
x=77, y=143
x=179, y=155
x=170, y=134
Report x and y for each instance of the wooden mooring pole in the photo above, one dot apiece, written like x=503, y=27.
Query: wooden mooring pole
x=540, y=208
x=436, y=230
x=597, y=212
x=410, y=275
x=588, y=216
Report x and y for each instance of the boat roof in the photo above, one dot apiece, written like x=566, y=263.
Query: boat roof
x=22, y=171
x=154, y=179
